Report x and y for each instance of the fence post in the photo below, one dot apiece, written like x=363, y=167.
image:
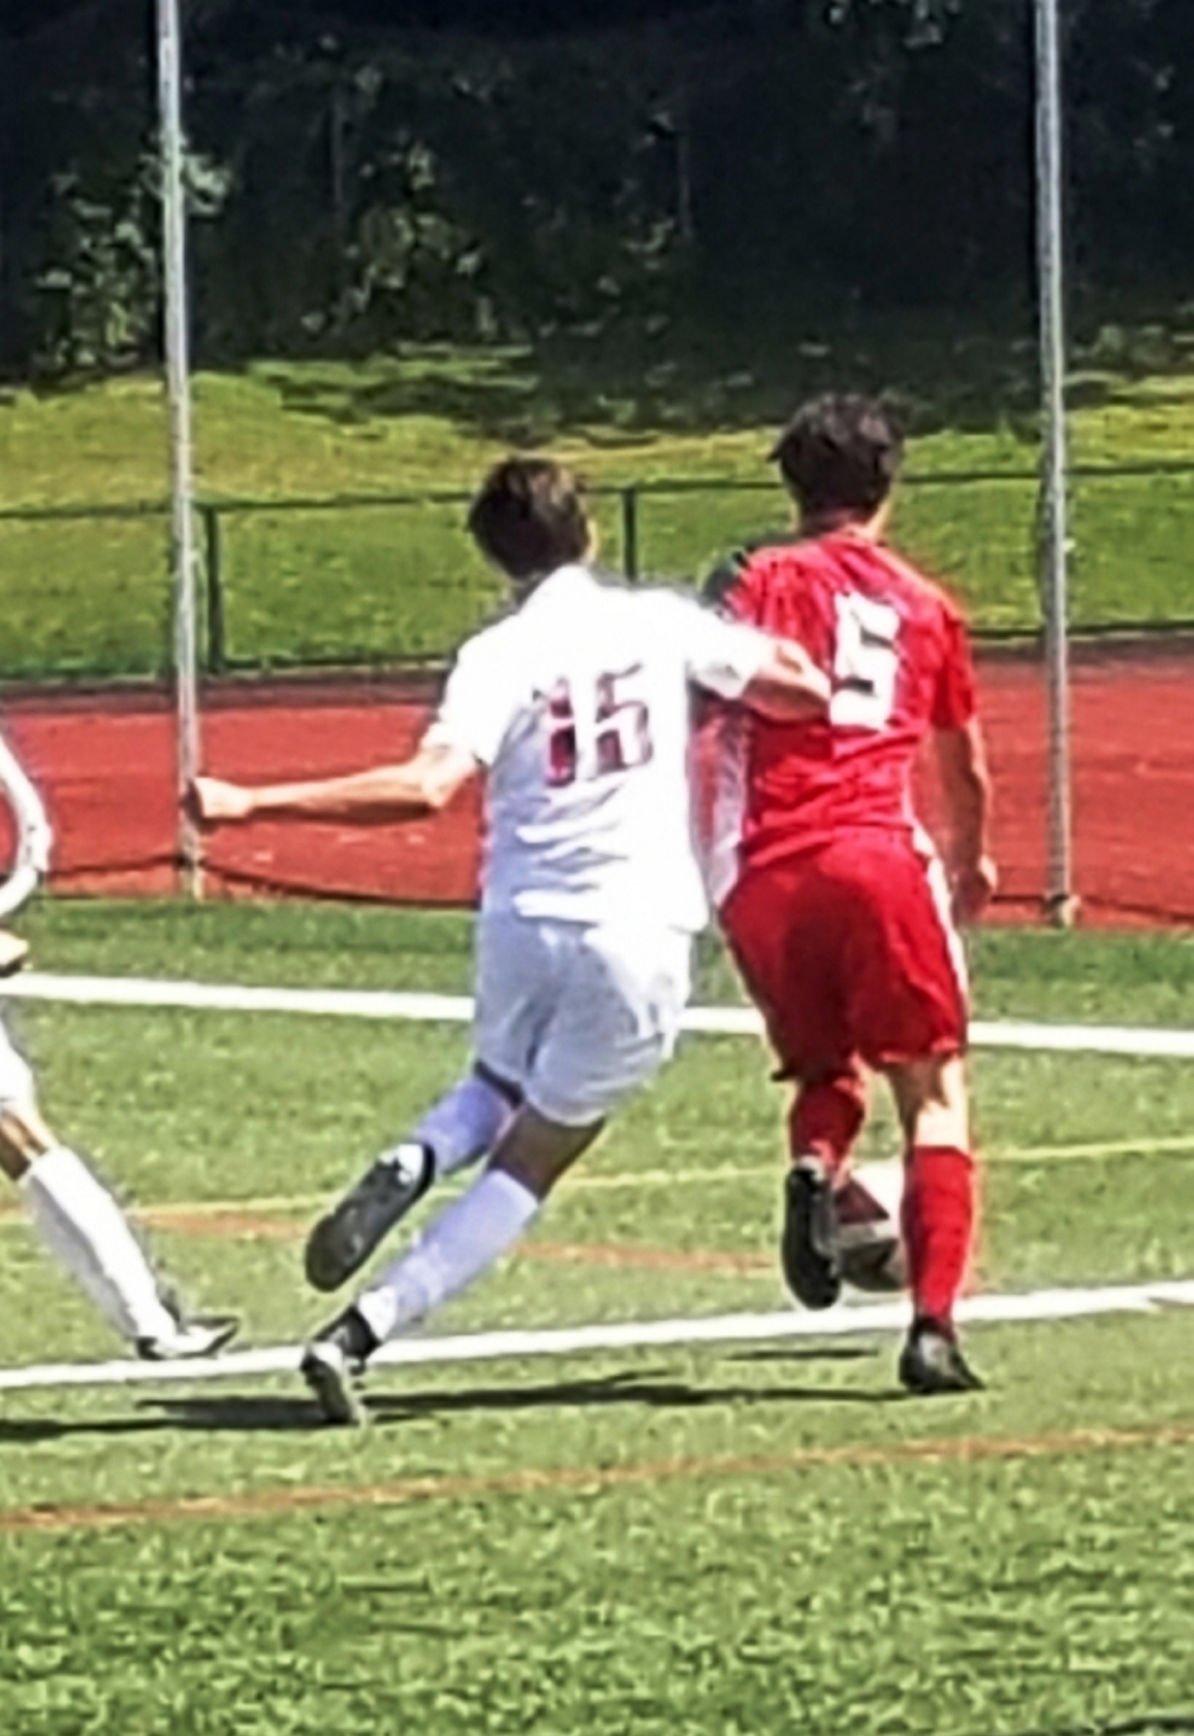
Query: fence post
x=213, y=566
x=1061, y=901
x=629, y=496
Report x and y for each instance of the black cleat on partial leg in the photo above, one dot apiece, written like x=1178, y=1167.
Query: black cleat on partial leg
x=808, y=1248
x=345, y=1237
x=932, y=1362
x=332, y=1364
x=190, y=1338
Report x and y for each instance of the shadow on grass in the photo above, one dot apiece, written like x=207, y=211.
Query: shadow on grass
x=1155, y=1724
x=650, y=1390
x=622, y=388
x=241, y=1414
x=218, y=1415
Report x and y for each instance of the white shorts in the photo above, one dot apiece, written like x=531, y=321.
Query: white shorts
x=16, y=1077
x=577, y=1016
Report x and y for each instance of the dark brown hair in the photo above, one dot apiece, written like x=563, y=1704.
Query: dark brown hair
x=530, y=518
x=840, y=454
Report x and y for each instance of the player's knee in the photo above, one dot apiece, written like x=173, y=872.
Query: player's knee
x=537, y=1151
x=932, y=1101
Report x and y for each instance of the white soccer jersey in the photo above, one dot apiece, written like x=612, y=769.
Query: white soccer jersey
x=579, y=706
x=31, y=858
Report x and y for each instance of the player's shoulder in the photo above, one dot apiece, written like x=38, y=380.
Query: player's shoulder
x=490, y=639
x=608, y=590
x=663, y=622
x=495, y=645
x=919, y=588
x=747, y=562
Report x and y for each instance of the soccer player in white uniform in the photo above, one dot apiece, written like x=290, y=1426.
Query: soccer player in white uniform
x=76, y=1217
x=576, y=706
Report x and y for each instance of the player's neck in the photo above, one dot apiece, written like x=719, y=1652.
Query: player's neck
x=524, y=589
x=521, y=590
x=844, y=524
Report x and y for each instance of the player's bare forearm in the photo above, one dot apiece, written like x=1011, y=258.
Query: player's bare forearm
x=384, y=795
x=966, y=791
x=789, y=687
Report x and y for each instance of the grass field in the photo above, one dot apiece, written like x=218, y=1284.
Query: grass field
x=382, y=583
x=739, y=1539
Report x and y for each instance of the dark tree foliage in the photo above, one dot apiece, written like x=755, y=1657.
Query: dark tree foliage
x=364, y=172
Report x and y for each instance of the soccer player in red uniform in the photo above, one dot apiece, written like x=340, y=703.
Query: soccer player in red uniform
x=837, y=908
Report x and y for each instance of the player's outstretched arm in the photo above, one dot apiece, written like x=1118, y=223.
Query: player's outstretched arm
x=966, y=790
x=774, y=676
x=382, y=796
x=789, y=688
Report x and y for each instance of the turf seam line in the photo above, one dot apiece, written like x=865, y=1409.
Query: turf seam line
x=851, y=1320
x=275, y=1503
x=169, y=1214
x=1141, y=1042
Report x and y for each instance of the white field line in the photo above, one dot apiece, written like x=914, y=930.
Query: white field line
x=1136, y=1041
x=850, y=1321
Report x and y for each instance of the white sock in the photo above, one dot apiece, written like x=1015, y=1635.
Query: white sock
x=466, y=1123
x=456, y=1247
x=85, y=1230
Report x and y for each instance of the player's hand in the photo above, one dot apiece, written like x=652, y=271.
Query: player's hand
x=14, y=953
x=973, y=889
x=213, y=802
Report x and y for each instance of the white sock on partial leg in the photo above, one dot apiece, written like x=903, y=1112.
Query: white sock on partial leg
x=87, y=1233
x=466, y=1123
x=456, y=1247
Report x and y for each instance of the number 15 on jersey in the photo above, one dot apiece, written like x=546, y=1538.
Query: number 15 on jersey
x=596, y=730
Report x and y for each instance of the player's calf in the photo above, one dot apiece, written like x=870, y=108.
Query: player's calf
x=463, y=1241
x=465, y=1123
x=85, y=1231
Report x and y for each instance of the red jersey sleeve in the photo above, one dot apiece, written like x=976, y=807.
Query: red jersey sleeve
x=771, y=591
x=955, y=701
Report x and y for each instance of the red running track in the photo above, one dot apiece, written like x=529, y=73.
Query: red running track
x=106, y=766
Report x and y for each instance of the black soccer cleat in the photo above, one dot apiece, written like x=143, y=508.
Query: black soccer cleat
x=808, y=1249
x=333, y=1363
x=932, y=1362
x=344, y=1238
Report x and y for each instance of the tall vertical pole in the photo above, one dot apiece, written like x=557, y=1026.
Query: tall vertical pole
x=178, y=384
x=1061, y=901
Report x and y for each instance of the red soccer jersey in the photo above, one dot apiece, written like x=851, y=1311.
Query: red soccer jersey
x=897, y=650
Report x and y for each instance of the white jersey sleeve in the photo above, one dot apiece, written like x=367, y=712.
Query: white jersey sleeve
x=481, y=700
x=34, y=838
x=722, y=656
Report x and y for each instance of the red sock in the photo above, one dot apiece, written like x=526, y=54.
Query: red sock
x=826, y=1117
x=938, y=1224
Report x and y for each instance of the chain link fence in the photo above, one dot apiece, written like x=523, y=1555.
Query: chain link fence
x=390, y=580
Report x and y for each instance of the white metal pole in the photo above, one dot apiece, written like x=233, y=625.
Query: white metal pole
x=178, y=385
x=1054, y=543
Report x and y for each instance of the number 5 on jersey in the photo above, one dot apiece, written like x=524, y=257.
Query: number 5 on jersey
x=865, y=664
x=596, y=731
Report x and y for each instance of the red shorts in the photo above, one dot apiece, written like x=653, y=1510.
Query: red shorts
x=851, y=951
